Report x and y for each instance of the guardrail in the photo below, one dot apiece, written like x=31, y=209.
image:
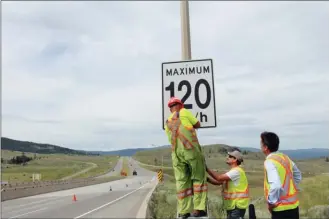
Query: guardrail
x=22, y=189
x=26, y=185
x=12, y=185
x=19, y=192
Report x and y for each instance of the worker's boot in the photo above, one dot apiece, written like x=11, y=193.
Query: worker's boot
x=199, y=213
x=184, y=216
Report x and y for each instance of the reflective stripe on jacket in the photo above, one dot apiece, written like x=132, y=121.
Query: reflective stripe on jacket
x=288, y=200
x=236, y=195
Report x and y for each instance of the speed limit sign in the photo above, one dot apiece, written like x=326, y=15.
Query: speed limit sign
x=193, y=82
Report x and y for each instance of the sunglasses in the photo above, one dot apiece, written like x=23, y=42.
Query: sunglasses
x=173, y=105
x=230, y=156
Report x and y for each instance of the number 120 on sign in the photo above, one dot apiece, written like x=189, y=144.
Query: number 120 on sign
x=192, y=82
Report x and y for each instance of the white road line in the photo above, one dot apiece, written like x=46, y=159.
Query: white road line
x=36, y=206
x=30, y=203
x=111, y=202
x=142, y=210
x=27, y=213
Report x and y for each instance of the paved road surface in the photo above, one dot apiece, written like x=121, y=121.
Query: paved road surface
x=116, y=170
x=96, y=201
x=92, y=166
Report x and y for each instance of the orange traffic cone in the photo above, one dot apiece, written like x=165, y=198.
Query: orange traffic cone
x=74, y=198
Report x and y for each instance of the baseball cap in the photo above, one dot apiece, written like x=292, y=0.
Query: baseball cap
x=236, y=154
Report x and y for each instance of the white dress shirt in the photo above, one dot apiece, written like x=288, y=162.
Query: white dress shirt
x=275, y=184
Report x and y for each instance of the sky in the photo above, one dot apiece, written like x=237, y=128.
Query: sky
x=87, y=75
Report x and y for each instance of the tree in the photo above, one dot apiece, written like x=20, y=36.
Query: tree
x=327, y=159
x=155, y=161
x=244, y=152
x=20, y=160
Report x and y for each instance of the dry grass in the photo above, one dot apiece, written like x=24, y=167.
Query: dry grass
x=104, y=165
x=54, y=166
x=314, y=197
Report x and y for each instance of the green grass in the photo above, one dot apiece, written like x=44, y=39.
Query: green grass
x=104, y=165
x=313, y=198
x=54, y=166
x=315, y=192
x=216, y=157
x=163, y=203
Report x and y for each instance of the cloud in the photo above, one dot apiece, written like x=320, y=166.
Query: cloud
x=87, y=75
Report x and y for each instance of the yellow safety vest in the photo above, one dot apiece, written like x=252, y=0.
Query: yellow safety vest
x=288, y=200
x=236, y=195
x=185, y=134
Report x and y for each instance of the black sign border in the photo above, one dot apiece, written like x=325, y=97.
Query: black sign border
x=213, y=86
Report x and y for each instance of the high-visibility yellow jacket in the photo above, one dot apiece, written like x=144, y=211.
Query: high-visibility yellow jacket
x=236, y=195
x=288, y=200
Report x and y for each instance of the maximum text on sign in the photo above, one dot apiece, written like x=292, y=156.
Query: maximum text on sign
x=193, y=82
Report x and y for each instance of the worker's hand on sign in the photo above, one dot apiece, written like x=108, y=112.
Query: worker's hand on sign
x=197, y=125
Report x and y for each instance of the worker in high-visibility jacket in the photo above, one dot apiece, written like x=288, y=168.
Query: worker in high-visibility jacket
x=188, y=160
x=281, y=179
x=235, y=186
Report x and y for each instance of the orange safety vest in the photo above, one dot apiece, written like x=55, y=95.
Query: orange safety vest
x=288, y=200
x=185, y=134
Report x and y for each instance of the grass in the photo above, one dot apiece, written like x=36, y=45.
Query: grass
x=54, y=166
x=163, y=200
x=313, y=197
x=104, y=165
x=315, y=192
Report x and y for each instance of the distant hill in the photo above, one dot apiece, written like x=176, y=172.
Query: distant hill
x=26, y=146
x=294, y=154
x=298, y=153
x=307, y=153
x=126, y=152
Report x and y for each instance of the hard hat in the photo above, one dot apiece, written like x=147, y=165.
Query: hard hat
x=174, y=100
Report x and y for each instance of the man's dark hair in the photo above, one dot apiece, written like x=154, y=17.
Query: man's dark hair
x=271, y=140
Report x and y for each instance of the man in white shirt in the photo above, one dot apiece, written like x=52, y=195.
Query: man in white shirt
x=280, y=173
x=235, y=186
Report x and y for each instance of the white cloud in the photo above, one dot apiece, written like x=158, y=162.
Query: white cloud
x=87, y=75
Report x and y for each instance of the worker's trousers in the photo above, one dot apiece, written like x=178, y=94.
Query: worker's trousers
x=191, y=179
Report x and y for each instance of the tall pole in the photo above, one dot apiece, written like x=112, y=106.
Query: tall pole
x=185, y=28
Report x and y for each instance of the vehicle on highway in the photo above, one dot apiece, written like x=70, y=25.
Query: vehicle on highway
x=135, y=173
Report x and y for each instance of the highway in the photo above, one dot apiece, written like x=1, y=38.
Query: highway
x=96, y=201
x=116, y=170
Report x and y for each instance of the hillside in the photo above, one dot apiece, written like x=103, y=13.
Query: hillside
x=42, y=148
x=127, y=152
x=213, y=150
x=308, y=153
x=32, y=147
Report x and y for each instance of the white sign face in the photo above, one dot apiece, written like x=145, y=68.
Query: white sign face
x=193, y=82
